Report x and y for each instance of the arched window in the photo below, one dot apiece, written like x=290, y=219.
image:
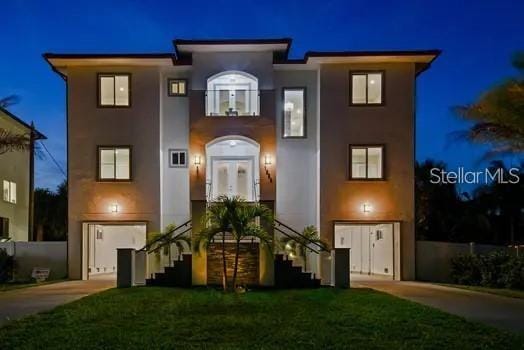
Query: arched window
x=232, y=93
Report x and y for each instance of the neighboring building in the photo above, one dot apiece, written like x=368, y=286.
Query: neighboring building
x=327, y=140
x=17, y=181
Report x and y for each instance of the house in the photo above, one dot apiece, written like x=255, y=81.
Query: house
x=17, y=180
x=325, y=140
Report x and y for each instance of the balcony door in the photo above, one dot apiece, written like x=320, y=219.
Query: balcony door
x=233, y=177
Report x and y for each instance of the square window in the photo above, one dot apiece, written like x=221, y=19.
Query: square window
x=9, y=191
x=177, y=87
x=294, y=118
x=366, y=162
x=177, y=158
x=367, y=88
x=114, y=163
x=114, y=90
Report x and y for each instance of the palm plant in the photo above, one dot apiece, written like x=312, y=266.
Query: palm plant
x=498, y=116
x=163, y=241
x=216, y=223
x=298, y=246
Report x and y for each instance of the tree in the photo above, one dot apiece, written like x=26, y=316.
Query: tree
x=163, y=241
x=299, y=245
x=498, y=116
x=10, y=141
x=50, y=220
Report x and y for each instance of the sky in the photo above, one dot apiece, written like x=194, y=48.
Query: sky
x=478, y=39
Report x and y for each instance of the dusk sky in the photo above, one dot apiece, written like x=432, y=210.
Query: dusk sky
x=477, y=39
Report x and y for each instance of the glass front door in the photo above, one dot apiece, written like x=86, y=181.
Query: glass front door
x=233, y=177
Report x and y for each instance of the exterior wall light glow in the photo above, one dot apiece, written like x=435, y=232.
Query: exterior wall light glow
x=268, y=161
x=114, y=208
x=196, y=160
x=367, y=208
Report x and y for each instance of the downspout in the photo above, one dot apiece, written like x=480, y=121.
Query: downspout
x=30, y=221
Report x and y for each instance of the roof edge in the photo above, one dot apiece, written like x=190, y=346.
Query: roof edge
x=39, y=135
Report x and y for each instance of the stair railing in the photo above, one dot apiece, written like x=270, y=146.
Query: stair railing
x=296, y=240
x=301, y=239
x=163, y=238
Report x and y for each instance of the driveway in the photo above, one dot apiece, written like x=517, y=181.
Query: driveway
x=18, y=303
x=501, y=312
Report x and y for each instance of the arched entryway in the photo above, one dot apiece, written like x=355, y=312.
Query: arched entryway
x=233, y=168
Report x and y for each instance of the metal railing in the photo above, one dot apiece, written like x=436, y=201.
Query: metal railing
x=298, y=237
x=167, y=238
x=232, y=102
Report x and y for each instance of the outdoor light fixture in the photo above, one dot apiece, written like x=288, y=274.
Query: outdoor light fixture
x=367, y=208
x=114, y=208
x=267, y=161
x=197, y=162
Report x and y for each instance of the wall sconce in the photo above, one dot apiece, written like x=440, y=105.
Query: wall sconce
x=267, y=162
x=367, y=208
x=197, y=161
x=114, y=208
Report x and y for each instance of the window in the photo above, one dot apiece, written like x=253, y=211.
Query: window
x=366, y=162
x=294, y=121
x=232, y=93
x=114, y=90
x=177, y=158
x=177, y=87
x=9, y=191
x=114, y=163
x=367, y=88
x=4, y=227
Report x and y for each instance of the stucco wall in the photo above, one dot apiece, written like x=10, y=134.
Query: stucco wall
x=391, y=125
x=14, y=166
x=89, y=126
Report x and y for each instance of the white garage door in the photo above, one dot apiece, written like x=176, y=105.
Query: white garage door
x=372, y=247
x=104, y=239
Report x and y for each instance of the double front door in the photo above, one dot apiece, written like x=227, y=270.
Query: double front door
x=233, y=177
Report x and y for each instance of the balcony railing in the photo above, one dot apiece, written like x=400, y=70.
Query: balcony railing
x=232, y=102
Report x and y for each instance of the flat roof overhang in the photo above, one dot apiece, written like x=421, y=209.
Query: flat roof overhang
x=186, y=46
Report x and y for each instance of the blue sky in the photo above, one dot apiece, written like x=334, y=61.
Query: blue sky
x=477, y=37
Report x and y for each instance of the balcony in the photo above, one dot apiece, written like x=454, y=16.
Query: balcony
x=232, y=102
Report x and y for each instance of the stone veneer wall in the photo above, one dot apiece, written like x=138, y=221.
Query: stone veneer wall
x=248, y=263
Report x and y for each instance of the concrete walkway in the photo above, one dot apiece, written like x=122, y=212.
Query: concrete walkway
x=17, y=303
x=502, y=312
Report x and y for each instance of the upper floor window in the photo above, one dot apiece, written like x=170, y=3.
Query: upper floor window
x=366, y=162
x=177, y=158
x=114, y=163
x=367, y=88
x=294, y=121
x=232, y=93
x=114, y=90
x=177, y=87
x=9, y=191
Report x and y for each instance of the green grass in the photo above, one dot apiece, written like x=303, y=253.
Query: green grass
x=163, y=318
x=512, y=293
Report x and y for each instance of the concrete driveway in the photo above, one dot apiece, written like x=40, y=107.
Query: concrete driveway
x=22, y=302
x=501, y=312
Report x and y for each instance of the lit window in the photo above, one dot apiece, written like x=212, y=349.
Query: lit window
x=114, y=163
x=177, y=158
x=366, y=88
x=177, y=87
x=114, y=90
x=366, y=162
x=294, y=124
x=232, y=93
x=9, y=193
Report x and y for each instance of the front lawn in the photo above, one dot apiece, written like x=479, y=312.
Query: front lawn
x=154, y=318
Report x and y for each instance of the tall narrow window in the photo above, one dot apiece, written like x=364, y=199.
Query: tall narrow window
x=366, y=162
x=294, y=120
x=4, y=227
x=114, y=163
x=177, y=87
x=367, y=88
x=9, y=191
x=114, y=90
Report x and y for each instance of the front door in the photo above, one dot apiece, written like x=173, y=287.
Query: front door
x=233, y=177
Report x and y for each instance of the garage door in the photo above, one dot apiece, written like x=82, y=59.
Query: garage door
x=102, y=241
x=372, y=247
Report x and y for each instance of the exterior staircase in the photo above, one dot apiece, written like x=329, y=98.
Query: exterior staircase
x=289, y=276
x=178, y=275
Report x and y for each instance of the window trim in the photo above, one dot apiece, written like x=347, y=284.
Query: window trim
x=171, y=80
x=304, y=114
x=99, y=148
x=99, y=75
x=170, y=157
x=366, y=146
x=9, y=193
x=382, y=72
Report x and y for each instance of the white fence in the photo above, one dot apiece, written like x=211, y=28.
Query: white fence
x=434, y=258
x=28, y=255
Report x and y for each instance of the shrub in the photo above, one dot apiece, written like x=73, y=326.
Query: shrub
x=6, y=266
x=497, y=269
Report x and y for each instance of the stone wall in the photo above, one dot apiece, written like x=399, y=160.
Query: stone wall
x=248, y=263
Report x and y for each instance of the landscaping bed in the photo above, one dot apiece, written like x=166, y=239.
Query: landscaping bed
x=155, y=317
